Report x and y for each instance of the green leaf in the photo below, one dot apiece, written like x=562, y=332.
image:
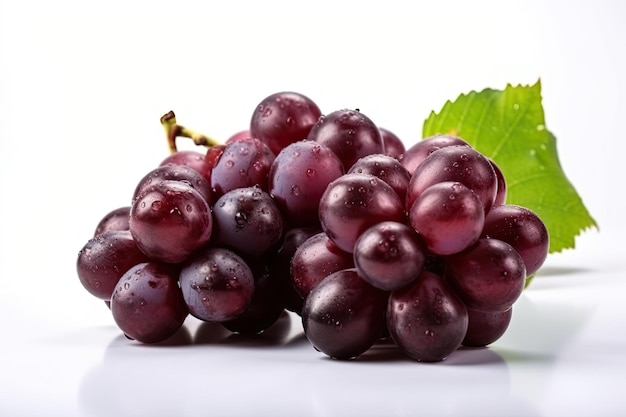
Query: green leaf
x=508, y=126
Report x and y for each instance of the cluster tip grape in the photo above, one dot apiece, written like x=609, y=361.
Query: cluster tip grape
x=325, y=215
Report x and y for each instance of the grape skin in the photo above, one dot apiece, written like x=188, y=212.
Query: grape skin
x=192, y=159
x=392, y=144
x=489, y=276
x=298, y=178
x=349, y=134
x=172, y=172
x=455, y=163
x=283, y=118
x=169, y=220
x=448, y=216
x=354, y=202
x=248, y=221
x=485, y=327
x=386, y=168
x=147, y=304
x=242, y=163
x=115, y=220
x=522, y=229
x=389, y=255
x=314, y=260
x=414, y=155
x=217, y=285
x=344, y=315
x=104, y=259
x=426, y=319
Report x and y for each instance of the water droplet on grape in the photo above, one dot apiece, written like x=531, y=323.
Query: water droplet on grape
x=290, y=120
x=189, y=208
x=240, y=218
x=230, y=163
x=126, y=285
x=97, y=284
x=295, y=190
x=310, y=172
x=156, y=205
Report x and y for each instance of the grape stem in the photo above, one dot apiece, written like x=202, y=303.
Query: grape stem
x=174, y=130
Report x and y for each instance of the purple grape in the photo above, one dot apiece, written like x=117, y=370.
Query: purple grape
x=147, y=304
x=169, y=220
x=265, y=307
x=521, y=228
x=192, y=159
x=354, y=202
x=392, y=144
x=298, y=178
x=485, y=327
x=416, y=154
x=501, y=191
x=349, y=134
x=243, y=163
x=455, y=163
x=389, y=255
x=448, y=216
x=426, y=319
x=217, y=285
x=386, y=168
x=104, y=259
x=344, y=315
x=115, y=220
x=172, y=172
x=280, y=266
x=315, y=259
x=489, y=276
x=248, y=221
x=283, y=118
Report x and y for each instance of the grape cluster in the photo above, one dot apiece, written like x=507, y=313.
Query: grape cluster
x=328, y=216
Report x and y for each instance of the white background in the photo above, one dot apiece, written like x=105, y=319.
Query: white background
x=82, y=87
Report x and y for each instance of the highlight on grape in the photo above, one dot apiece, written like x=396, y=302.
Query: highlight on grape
x=325, y=215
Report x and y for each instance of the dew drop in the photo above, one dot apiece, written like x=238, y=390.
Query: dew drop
x=310, y=172
x=156, y=205
x=230, y=163
x=295, y=190
x=189, y=208
x=240, y=218
x=126, y=285
x=515, y=106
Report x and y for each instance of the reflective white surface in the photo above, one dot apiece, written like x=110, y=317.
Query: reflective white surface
x=81, y=89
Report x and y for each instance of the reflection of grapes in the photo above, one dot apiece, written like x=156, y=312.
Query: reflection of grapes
x=327, y=216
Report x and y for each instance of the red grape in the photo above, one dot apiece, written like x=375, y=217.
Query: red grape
x=283, y=118
x=522, y=229
x=104, y=259
x=217, y=285
x=389, y=255
x=354, y=202
x=344, y=315
x=349, y=134
x=426, y=319
x=448, y=216
x=298, y=178
x=147, y=304
x=315, y=259
x=488, y=276
x=169, y=220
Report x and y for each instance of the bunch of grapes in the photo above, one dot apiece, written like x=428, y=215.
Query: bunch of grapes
x=328, y=216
